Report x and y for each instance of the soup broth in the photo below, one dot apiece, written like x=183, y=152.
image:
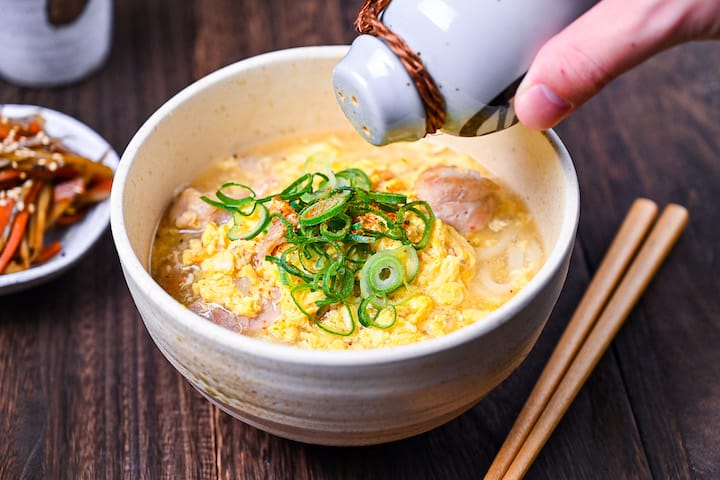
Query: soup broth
x=482, y=248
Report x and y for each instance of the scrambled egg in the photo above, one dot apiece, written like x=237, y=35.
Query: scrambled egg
x=432, y=306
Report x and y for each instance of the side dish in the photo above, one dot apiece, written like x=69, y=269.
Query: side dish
x=330, y=243
x=43, y=186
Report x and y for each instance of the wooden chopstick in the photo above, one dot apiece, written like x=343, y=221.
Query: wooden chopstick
x=554, y=392
x=626, y=242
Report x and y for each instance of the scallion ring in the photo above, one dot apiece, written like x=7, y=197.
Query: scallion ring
x=372, y=308
x=236, y=233
x=336, y=228
x=355, y=177
x=382, y=273
x=318, y=212
x=237, y=202
x=297, y=188
x=427, y=217
x=348, y=326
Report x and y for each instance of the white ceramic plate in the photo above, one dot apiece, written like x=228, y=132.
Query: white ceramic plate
x=79, y=237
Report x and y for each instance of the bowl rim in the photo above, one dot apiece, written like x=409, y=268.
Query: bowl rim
x=227, y=339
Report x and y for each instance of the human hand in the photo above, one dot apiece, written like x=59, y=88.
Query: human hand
x=609, y=39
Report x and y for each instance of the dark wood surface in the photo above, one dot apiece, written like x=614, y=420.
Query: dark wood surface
x=84, y=393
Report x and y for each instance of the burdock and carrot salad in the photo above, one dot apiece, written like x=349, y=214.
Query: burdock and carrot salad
x=43, y=186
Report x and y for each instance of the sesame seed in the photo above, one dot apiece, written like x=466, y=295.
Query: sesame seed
x=24, y=153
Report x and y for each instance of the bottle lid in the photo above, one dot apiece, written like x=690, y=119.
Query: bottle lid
x=377, y=94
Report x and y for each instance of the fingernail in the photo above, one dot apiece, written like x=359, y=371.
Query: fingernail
x=540, y=106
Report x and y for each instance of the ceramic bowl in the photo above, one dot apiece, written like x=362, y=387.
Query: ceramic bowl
x=327, y=397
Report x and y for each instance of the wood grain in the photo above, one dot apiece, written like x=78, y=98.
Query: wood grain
x=84, y=393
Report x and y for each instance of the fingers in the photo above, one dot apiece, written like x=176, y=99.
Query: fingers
x=609, y=39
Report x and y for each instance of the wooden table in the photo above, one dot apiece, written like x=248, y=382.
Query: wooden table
x=84, y=393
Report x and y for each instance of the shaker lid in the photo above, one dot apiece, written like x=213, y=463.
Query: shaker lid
x=377, y=94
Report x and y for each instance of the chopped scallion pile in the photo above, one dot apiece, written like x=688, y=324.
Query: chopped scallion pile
x=328, y=256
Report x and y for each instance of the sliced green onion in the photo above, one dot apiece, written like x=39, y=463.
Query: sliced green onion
x=294, y=296
x=289, y=267
x=371, y=309
x=427, y=217
x=236, y=233
x=299, y=187
x=355, y=177
x=233, y=201
x=357, y=254
x=316, y=254
x=338, y=280
x=336, y=228
x=318, y=212
x=382, y=273
x=216, y=203
x=389, y=197
x=408, y=255
x=349, y=321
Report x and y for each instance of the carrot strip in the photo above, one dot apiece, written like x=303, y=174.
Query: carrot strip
x=34, y=127
x=48, y=252
x=16, y=236
x=6, y=211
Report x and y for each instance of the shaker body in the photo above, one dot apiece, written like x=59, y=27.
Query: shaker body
x=475, y=50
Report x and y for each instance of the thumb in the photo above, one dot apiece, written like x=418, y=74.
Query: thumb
x=610, y=38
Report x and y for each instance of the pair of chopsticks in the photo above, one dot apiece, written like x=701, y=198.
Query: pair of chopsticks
x=592, y=327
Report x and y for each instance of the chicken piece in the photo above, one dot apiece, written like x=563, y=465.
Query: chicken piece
x=239, y=323
x=276, y=233
x=461, y=198
x=189, y=211
x=274, y=238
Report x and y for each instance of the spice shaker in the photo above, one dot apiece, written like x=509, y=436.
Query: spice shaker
x=53, y=42
x=473, y=53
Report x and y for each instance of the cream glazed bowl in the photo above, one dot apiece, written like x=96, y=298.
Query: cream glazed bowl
x=327, y=397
